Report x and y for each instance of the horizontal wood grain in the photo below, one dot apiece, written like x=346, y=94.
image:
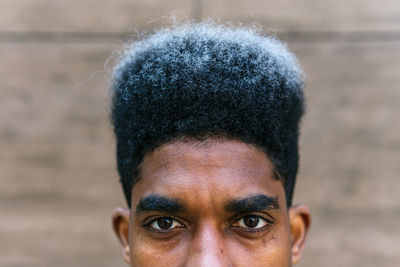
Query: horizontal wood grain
x=306, y=15
x=126, y=16
x=88, y=15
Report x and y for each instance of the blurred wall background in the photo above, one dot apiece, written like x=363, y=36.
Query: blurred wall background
x=58, y=184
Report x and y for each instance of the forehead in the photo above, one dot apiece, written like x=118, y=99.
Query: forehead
x=220, y=168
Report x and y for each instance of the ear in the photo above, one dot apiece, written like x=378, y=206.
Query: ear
x=120, y=222
x=300, y=220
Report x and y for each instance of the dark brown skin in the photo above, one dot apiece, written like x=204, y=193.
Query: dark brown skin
x=217, y=203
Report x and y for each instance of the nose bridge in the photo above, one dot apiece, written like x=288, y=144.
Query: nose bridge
x=208, y=247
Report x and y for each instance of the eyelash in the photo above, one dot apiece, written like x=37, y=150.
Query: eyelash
x=160, y=230
x=267, y=224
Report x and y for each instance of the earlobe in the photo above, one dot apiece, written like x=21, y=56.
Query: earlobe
x=120, y=222
x=300, y=220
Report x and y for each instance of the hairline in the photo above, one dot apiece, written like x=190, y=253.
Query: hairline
x=210, y=140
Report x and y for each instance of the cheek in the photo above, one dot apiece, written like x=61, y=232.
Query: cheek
x=149, y=256
x=273, y=250
x=145, y=251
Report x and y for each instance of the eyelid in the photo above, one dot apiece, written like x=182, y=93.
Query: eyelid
x=268, y=222
x=262, y=214
x=153, y=219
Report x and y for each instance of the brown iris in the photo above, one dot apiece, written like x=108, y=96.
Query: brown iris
x=165, y=223
x=251, y=221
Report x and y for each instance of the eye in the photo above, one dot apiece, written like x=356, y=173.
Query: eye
x=165, y=223
x=252, y=222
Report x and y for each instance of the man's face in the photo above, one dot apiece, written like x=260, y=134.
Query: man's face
x=213, y=203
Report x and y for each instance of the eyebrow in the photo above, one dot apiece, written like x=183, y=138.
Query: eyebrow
x=156, y=202
x=252, y=204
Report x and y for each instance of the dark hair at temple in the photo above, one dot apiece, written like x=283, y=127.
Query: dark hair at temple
x=202, y=80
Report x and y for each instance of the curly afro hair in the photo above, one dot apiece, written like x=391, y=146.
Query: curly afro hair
x=201, y=80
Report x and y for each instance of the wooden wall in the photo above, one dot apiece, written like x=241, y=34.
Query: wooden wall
x=57, y=169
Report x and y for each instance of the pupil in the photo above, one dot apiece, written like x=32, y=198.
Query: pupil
x=251, y=221
x=164, y=223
